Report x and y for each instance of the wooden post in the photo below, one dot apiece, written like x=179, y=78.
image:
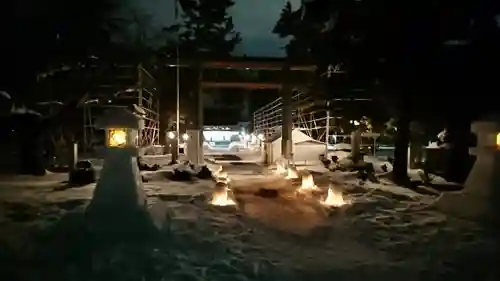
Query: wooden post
x=327, y=130
x=195, y=143
x=139, y=101
x=286, y=127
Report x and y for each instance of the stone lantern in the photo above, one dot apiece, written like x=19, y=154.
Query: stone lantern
x=119, y=199
x=480, y=197
x=194, y=146
x=172, y=145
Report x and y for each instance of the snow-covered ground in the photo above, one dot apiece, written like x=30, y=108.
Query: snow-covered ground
x=386, y=233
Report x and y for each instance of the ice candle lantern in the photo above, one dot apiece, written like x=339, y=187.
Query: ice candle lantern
x=119, y=190
x=481, y=194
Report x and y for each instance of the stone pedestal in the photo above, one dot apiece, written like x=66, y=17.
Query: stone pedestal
x=73, y=157
x=195, y=147
x=118, y=206
x=480, y=197
x=356, y=146
x=172, y=147
x=120, y=185
x=268, y=156
x=263, y=154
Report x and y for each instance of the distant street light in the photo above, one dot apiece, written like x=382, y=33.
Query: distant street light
x=331, y=69
x=171, y=135
x=185, y=137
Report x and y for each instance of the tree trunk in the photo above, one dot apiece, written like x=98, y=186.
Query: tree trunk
x=459, y=161
x=400, y=172
x=416, y=152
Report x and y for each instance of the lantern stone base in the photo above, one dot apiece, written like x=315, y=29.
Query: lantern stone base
x=480, y=198
x=119, y=202
x=195, y=147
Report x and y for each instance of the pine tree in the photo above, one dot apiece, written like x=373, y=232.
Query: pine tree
x=301, y=34
x=65, y=34
x=206, y=28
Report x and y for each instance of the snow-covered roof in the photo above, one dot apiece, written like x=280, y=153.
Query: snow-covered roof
x=309, y=142
x=118, y=117
x=297, y=137
x=139, y=110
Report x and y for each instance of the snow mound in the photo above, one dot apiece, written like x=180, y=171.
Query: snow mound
x=342, y=146
x=24, y=110
x=341, y=155
x=385, y=233
x=380, y=166
x=184, y=168
x=394, y=189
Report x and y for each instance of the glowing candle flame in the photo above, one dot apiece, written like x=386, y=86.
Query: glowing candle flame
x=334, y=198
x=221, y=198
x=308, y=183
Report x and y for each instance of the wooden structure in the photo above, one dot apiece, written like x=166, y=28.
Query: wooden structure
x=124, y=85
x=246, y=63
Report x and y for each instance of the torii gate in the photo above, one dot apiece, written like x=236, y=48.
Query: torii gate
x=195, y=143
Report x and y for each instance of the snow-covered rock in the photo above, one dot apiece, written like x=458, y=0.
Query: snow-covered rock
x=339, y=154
x=24, y=110
x=380, y=166
x=184, y=167
x=53, y=102
x=433, y=144
x=5, y=95
x=186, y=171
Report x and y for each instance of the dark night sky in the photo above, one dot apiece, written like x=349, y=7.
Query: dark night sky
x=254, y=19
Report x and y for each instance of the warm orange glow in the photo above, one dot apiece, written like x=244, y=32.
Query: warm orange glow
x=498, y=140
x=291, y=173
x=117, y=137
x=280, y=169
x=217, y=173
x=308, y=183
x=221, y=198
x=221, y=176
x=334, y=198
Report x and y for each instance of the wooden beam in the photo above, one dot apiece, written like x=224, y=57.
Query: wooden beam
x=247, y=65
x=255, y=65
x=242, y=65
x=241, y=85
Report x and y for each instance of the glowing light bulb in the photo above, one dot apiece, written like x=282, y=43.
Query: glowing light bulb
x=117, y=137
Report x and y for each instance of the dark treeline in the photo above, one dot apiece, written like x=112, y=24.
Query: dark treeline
x=427, y=61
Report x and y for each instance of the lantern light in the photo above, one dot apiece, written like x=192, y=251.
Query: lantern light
x=185, y=136
x=171, y=135
x=117, y=137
